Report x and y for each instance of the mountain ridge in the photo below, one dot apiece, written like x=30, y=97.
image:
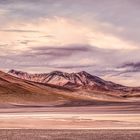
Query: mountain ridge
x=79, y=80
x=16, y=90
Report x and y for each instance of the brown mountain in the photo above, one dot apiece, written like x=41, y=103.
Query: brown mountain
x=80, y=80
x=58, y=88
x=81, y=85
x=16, y=90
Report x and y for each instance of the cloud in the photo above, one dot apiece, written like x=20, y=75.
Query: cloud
x=16, y=30
x=96, y=36
x=3, y=12
x=73, y=66
x=56, y=52
x=105, y=13
x=58, y=31
x=45, y=59
x=131, y=64
x=131, y=67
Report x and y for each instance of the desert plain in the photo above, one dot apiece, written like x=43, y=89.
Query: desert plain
x=93, y=122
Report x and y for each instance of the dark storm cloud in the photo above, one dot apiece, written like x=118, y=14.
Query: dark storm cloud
x=73, y=66
x=125, y=69
x=131, y=66
x=53, y=51
x=65, y=48
x=46, y=56
x=57, y=52
x=69, y=55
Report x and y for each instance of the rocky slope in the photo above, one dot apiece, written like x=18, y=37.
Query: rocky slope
x=15, y=90
x=57, y=88
x=80, y=80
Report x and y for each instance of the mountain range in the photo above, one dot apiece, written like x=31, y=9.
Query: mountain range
x=80, y=80
x=57, y=88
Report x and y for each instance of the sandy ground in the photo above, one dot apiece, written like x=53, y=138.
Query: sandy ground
x=47, y=134
x=83, y=117
x=69, y=121
x=110, y=108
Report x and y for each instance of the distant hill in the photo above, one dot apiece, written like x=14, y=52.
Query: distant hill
x=80, y=80
x=59, y=89
x=16, y=90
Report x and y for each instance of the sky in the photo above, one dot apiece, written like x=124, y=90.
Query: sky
x=101, y=37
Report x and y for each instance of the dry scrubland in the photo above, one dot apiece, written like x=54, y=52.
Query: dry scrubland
x=21, y=91
x=39, y=134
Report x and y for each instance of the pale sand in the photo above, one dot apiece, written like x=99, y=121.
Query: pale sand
x=111, y=108
x=69, y=121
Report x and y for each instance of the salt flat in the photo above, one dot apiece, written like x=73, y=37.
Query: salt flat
x=47, y=120
x=70, y=123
